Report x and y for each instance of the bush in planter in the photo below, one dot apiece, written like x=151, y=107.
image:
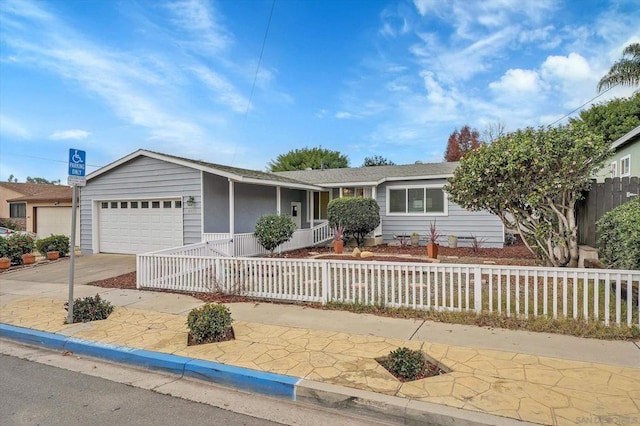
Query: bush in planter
x=90, y=309
x=406, y=363
x=209, y=323
x=619, y=236
x=359, y=216
x=15, y=245
x=273, y=230
x=59, y=243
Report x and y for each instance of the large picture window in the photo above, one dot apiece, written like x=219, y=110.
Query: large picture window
x=418, y=200
x=17, y=210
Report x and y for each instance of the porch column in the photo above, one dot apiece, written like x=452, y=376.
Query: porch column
x=232, y=219
x=278, y=201
x=378, y=230
x=310, y=206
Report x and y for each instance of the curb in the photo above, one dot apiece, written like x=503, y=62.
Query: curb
x=265, y=383
x=355, y=401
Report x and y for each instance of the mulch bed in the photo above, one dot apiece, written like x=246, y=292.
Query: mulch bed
x=229, y=335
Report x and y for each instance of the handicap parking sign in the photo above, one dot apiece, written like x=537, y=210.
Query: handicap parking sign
x=77, y=162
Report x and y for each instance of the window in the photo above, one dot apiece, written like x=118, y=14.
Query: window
x=124, y=204
x=166, y=204
x=320, y=202
x=155, y=204
x=17, y=209
x=114, y=204
x=134, y=204
x=625, y=166
x=104, y=205
x=357, y=191
x=144, y=204
x=417, y=200
x=614, y=169
x=178, y=204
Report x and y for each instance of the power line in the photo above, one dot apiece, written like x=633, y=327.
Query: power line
x=580, y=107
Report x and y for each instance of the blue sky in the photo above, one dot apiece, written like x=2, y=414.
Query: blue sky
x=363, y=77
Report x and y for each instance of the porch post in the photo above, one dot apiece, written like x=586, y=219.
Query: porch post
x=310, y=206
x=232, y=219
x=278, y=201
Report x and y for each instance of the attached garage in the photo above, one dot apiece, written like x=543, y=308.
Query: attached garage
x=139, y=226
x=54, y=220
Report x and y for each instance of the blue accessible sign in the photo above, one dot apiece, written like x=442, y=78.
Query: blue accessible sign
x=77, y=162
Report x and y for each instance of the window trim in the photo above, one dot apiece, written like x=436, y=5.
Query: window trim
x=613, y=169
x=424, y=186
x=622, y=160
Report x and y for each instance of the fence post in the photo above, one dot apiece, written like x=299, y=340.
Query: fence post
x=477, y=290
x=324, y=282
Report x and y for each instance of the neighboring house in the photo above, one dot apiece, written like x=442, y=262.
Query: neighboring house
x=625, y=160
x=149, y=201
x=43, y=209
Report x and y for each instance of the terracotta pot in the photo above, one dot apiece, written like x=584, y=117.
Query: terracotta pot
x=5, y=263
x=53, y=255
x=28, y=259
x=432, y=250
x=338, y=246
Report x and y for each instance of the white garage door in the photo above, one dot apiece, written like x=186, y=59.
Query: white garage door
x=134, y=227
x=54, y=221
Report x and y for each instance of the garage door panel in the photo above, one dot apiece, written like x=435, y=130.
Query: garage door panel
x=131, y=228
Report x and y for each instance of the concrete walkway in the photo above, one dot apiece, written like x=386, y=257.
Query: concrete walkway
x=497, y=376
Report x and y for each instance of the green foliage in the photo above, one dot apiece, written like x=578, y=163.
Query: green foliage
x=8, y=223
x=59, y=243
x=358, y=216
x=90, y=309
x=406, y=363
x=42, y=180
x=619, y=231
x=273, y=230
x=314, y=158
x=531, y=180
x=625, y=71
x=15, y=245
x=612, y=119
x=377, y=160
x=209, y=323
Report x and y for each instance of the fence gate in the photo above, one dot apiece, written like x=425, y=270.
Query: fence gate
x=603, y=197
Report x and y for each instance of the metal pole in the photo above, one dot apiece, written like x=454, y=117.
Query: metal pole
x=74, y=206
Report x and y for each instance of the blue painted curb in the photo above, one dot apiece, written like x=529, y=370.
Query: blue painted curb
x=242, y=378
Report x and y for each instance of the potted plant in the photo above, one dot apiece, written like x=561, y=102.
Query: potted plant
x=5, y=263
x=415, y=239
x=338, y=242
x=432, y=243
x=53, y=255
x=28, y=259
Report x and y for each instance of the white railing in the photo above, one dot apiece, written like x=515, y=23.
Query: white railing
x=604, y=295
x=245, y=245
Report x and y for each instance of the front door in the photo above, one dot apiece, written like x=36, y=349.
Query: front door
x=296, y=213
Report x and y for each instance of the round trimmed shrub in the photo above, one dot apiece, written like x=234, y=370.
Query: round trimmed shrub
x=59, y=243
x=90, y=309
x=209, y=323
x=359, y=216
x=273, y=230
x=406, y=363
x=619, y=236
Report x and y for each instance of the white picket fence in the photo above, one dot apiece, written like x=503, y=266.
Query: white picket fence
x=245, y=245
x=610, y=296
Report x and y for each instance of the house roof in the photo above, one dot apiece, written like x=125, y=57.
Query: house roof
x=38, y=191
x=234, y=173
x=628, y=138
x=373, y=175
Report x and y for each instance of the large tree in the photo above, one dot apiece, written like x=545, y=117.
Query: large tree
x=626, y=71
x=377, y=160
x=461, y=142
x=612, y=119
x=531, y=180
x=308, y=158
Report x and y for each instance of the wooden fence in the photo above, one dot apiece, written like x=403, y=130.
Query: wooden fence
x=603, y=197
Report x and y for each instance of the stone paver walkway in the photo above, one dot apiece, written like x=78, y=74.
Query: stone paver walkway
x=525, y=387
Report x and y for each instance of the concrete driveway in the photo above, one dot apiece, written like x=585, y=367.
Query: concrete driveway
x=87, y=269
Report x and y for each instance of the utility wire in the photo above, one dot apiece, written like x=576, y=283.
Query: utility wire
x=580, y=107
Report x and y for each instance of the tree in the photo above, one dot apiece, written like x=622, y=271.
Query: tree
x=12, y=178
x=305, y=158
x=612, y=119
x=626, y=71
x=358, y=216
x=461, y=142
x=42, y=180
x=531, y=180
x=273, y=230
x=493, y=132
x=377, y=160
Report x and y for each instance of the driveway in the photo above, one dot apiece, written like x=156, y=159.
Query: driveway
x=87, y=269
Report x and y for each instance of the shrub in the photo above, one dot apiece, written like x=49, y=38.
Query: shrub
x=273, y=230
x=406, y=363
x=359, y=216
x=619, y=236
x=15, y=245
x=209, y=323
x=90, y=309
x=59, y=243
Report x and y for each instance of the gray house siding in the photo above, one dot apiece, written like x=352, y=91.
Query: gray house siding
x=287, y=196
x=216, y=203
x=460, y=222
x=142, y=177
x=251, y=202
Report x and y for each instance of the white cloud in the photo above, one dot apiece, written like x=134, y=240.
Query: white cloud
x=573, y=66
x=13, y=128
x=224, y=92
x=74, y=134
x=344, y=115
x=198, y=18
x=517, y=81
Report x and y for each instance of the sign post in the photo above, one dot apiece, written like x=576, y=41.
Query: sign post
x=77, y=168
